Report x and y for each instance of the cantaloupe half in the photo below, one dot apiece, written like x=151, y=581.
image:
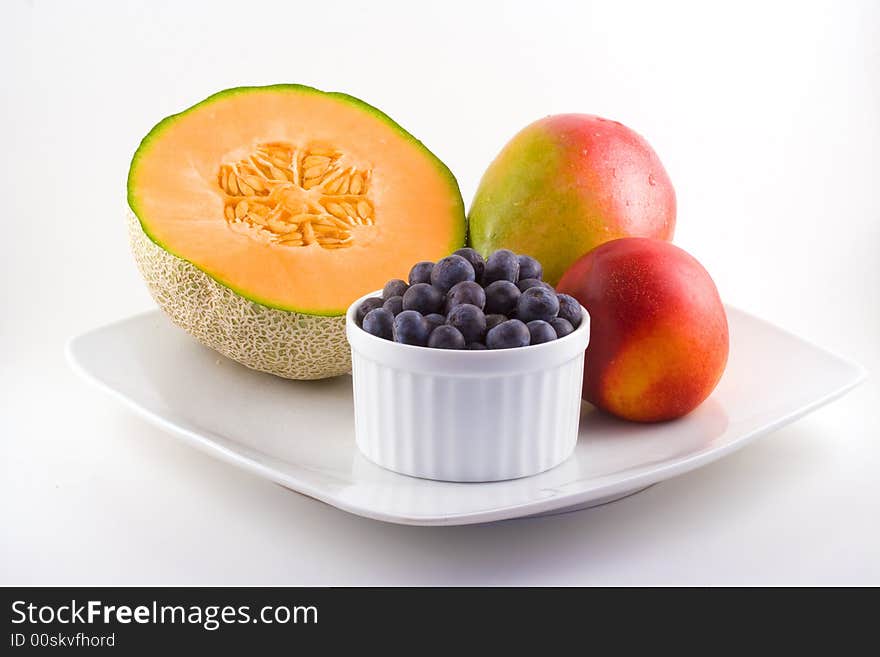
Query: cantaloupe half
x=261, y=213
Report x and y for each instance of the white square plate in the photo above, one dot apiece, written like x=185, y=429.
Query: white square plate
x=301, y=434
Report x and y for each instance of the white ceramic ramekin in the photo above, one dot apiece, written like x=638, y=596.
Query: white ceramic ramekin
x=457, y=415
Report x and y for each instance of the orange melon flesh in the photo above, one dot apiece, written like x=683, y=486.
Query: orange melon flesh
x=411, y=201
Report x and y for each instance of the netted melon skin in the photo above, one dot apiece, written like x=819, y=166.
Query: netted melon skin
x=287, y=344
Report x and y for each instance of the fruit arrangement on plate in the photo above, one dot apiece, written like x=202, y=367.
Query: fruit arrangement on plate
x=264, y=218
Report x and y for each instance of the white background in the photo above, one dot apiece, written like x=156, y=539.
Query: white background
x=766, y=115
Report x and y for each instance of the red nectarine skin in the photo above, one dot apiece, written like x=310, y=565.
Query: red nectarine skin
x=658, y=330
x=567, y=183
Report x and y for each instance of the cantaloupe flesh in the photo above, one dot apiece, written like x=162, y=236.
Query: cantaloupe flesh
x=174, y=191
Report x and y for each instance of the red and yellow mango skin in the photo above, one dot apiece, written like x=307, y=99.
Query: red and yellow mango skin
x=567, y=183
x=658, y=330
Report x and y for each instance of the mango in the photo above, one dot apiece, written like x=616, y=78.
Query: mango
x=566, y=184
x=658, y=330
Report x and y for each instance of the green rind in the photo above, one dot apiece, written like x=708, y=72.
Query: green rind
x=164, y=124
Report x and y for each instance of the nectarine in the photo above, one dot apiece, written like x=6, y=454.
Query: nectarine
x=659, y=341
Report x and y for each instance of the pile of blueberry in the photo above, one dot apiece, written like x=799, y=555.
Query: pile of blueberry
x=465, y=302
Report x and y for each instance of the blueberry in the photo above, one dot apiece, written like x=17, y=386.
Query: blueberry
x=421, y=272
x=446, y=337
x=423, y=297
x=394, y=288
x=434, y=320
x=475, y=259
x=562, y=327
x=393, y=305
x=525, y=283
x=410, y=328
x=379, y=322
x=529, y=267
x=502, y=265
x=501, y=297
x=507, y=335
x=476, y=346
x=366, y=306
x=468, y=319
x=570, y=309
x=537, y=303
x=540, y=332
x=494, y=320
x=451, y=270
x=466, y=292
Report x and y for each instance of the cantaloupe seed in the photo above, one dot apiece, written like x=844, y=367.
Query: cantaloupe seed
x=288, y=344
x=296, y=197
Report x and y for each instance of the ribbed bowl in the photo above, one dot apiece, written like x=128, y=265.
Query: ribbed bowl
x=466, y=415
